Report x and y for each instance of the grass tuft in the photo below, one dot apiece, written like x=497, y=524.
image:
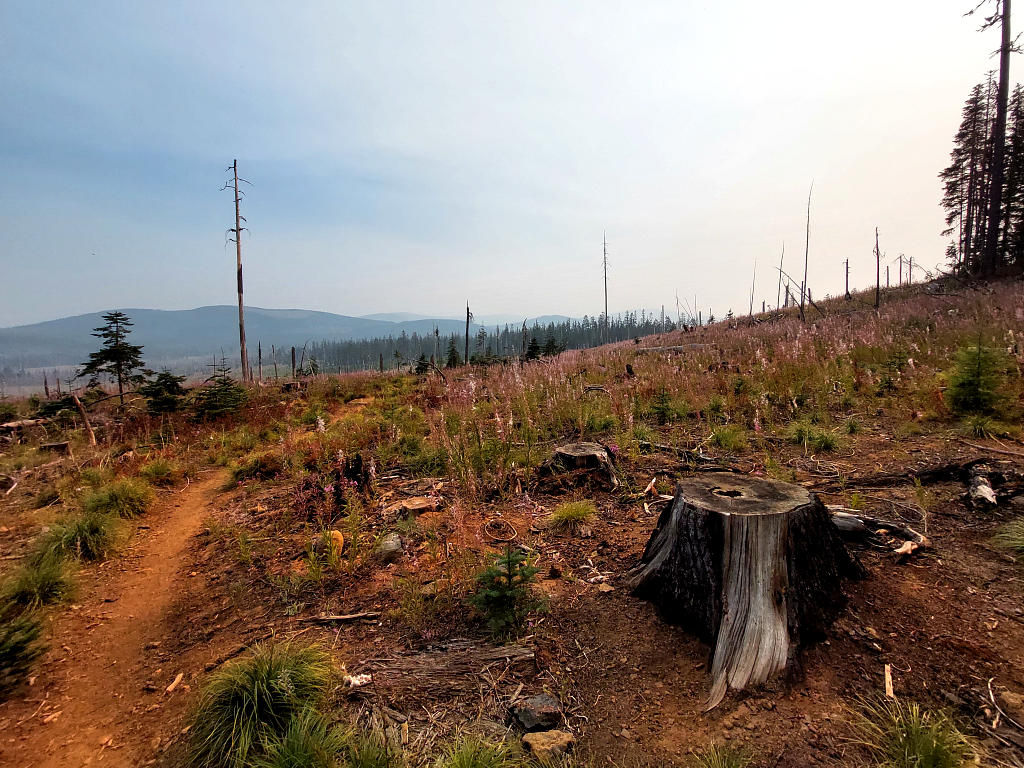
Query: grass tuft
x=473, y=752
x=309, y=741
x=160, y=472
x=89, y=536
x=900, y=734
x=39, y=582
x=812, y=438
x=572, y=515
x=122, y=498
x=20, y=647
x=729, y=438
x=253, y=701
x=368, y=750
x=722, y=757
x=1011, y=535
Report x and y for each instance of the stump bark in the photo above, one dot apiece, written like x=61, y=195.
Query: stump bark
x=752, y=566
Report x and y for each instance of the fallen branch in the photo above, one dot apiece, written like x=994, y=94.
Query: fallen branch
x=853, y=524
x=332, y=619
x=1001, y=452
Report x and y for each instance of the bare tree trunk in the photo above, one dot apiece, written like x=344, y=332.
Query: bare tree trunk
x=807, y=251
x=878, y=273
x=778, y=296
x=466, y=361
x=238, y=252
x=995, y=200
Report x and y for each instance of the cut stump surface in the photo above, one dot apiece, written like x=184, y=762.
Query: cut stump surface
x=753, y=566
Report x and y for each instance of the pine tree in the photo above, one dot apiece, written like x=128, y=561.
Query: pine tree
x=164, y=394
x=116, y=358
x=1013, y=194
x=533, y=349
x=422, y=365
x=966, y=179
x=221, y=395
x=551, y=346
x=452, y=360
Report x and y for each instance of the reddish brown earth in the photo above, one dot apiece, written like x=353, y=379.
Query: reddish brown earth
x=948, y=620
x=88, y=704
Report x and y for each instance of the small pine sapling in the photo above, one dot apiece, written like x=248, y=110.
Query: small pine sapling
x=504, y=594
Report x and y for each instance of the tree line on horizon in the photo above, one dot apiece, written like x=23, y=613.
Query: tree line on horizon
x=486, y=346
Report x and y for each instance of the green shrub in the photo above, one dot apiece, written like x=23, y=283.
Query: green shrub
x=571, y=515
x=473, y=752
x=900, y=734
x=160, y=472
x=39, y=582
x=722, y=757
x=729, y=438
x=504, y=595
x=20, y=647
x=252, y=701
x=259, y=466
x=89, y=536
x=976, y=379
x=121, y=498
x=308, y=741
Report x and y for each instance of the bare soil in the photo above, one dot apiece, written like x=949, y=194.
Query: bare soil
x=181, y=601
x=100, y=696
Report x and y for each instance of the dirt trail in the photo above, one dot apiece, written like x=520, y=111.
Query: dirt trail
x=89, y=704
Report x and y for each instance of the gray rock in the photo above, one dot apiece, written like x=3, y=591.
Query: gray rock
x=539, y=713
x=389, y=549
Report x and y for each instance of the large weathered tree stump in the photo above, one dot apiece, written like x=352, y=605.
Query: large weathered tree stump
x=752, y=566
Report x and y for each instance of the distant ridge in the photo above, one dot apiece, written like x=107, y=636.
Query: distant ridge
x=174, y=335
x=170, y=337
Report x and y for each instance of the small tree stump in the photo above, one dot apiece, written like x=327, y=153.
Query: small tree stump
x=580, y=464
x=752, y=566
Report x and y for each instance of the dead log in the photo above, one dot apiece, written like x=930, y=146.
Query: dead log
x=979, y=487
x=953, y=471
x=752, y=566
x=85, y=419
x=852, y=524
x=578, y=464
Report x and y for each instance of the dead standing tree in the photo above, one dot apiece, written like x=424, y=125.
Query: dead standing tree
x=235, y=235
x=752, y=566
x=807, y=251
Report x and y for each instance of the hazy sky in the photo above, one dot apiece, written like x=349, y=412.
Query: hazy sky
x=406, y=156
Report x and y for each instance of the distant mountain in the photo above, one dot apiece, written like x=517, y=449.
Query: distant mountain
x=172, y=336
x=397, y=317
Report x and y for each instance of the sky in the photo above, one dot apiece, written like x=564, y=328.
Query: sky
x=410, y=156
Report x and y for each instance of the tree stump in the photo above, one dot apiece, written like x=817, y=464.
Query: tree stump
x=579, y=464
x=752, y=566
